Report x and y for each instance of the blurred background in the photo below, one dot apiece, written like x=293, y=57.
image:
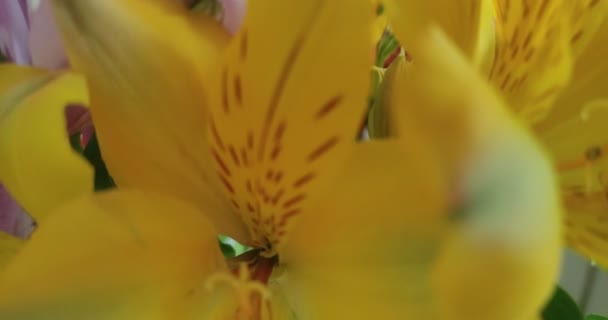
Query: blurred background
x=587, y=284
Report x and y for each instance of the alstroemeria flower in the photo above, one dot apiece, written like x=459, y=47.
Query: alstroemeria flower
x=255, y=139
x=547, y=58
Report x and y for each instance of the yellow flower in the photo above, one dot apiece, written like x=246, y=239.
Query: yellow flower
x=254, y=138
x=547, y=58
x=36, y=161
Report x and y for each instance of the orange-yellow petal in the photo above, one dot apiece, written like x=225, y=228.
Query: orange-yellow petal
x=469, y=24
x=37, y=164
x=117, y=255
x=147, y=66
x=367, y=251
x=532, y=61
x=288, y=100
x=9, y=247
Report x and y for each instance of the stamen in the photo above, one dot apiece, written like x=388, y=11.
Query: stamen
x=252, y=295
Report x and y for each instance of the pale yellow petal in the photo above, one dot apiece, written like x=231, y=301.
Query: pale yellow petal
x=469, y=24
x=505, y=235
x=532, y=61
x=367, y=251
x=147, y=64
x=37, y=164
x=117, y=255
x=286, y=107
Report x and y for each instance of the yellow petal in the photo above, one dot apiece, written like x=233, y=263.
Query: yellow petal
x=575, y=134
x=147, y=63
x=367, y=251
x=37, y=164
x=469, y=24
x=9, y=246
x=532, y=60
x=290, y=96
x=505, y=226
x=117, y=255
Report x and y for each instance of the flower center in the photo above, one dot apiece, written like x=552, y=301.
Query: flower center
x=248, y=279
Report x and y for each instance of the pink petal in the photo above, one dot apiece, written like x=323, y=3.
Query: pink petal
x=234, y=13
x=14, y=31
x=44, y=39
x=13, y=219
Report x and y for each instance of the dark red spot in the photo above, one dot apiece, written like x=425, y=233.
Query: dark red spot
x=220, y=162
x=328, y=107
x=269, y=174
x=303, y=180
x=225, y=103
x=216, y=135
x=227, y=184
x=278, y=176
x=249, y=187
x=576, y=36
x=289, y=203
x=322, y=149
x=238, y=90
x=278, y=133
x=250, y=140
x=235, y=158
x=593, y=3
x=275, y=153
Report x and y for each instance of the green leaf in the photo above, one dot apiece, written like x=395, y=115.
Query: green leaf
x=595, y=317
x=2, y=58
x=103, y=180
x=562, y=307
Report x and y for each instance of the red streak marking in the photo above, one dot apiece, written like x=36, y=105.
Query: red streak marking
x=235, y=204
x=278, y=134
x=238, y=90
x=322, y=149
x=216, y=135
x=303, y=180
x=235, y=158
x=244, y=44
x=278, y=177
x=250, y=207
x=227, y=184
x=287, y=215
x=249, y=188
x=277, y=196
x=225, y=91
x=289, y=203
x=244, y=157
x=275, y=153
x=220, y=162
x=328, y=107
x=250, y=140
